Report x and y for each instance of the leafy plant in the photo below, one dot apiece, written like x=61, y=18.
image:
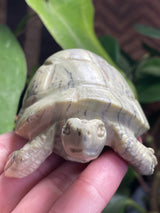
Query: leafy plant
x=71, y=25
x=144, y=73
x=12, y=78
x=147, y=71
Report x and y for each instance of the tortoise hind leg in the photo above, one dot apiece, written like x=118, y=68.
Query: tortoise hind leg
x=139, y=156
x=26, y=160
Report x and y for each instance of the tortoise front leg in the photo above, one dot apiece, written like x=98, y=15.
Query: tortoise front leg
x=26, y=160
x=139, y=156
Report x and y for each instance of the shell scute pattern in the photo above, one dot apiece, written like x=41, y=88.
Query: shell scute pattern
x=85, y=70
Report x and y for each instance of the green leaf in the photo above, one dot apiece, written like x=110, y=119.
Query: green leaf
x=126, y=63
x=148, y=89
x=152, y=51
x=148, y=31
x=119, y=202
x=150, y=66
x=116, y=205
x=70, y=23
x=12, y=78
x=111, y=46
x=120, y=58
x=150, y=93
x=126, y=184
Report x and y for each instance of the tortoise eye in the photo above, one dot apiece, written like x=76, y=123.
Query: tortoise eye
x=66, y=130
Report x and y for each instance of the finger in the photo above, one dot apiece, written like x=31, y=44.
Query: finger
x=8, y=143
x=12, y=190
x=41, y=197
x=94, y=187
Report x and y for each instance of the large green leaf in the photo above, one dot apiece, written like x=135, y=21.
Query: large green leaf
x=12, y=78
x=148, y=31
x=70, y=22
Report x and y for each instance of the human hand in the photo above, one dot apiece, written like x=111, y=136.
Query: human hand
x=59, y=185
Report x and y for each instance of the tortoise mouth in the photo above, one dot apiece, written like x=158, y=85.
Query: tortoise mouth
x=75, y=150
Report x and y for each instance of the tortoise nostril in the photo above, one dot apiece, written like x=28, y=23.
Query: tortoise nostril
x=79, y=132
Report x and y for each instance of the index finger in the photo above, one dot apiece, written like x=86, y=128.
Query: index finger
x=94, y=187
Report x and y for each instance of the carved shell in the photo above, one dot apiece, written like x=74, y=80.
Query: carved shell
x=77, y=82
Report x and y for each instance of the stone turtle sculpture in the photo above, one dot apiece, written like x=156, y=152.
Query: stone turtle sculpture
x=75, y=105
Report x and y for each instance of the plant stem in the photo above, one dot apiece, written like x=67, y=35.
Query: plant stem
x=133, y=204
x=154, y=192
x=142, y=182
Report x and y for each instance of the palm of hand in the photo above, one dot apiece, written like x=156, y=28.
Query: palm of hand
x=59, y=185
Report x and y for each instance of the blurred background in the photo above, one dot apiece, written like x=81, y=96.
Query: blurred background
x=139, y=54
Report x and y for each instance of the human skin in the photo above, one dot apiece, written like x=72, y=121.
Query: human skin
x=59, y=185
